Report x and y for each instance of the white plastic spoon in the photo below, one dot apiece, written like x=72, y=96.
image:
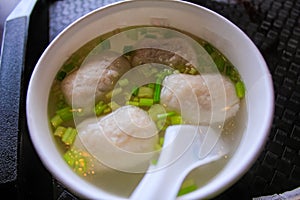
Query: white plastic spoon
x=179, y=156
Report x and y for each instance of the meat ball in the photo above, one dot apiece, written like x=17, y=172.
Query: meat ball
x=124, y=140
x=97, y=76
x=174, y=52
x=201, y=99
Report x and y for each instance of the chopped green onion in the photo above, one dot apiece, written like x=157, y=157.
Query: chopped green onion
x=157, y=147
x=56, y=121
x=187, y=187
x=65, y=114
x=69, y=157
x=61, y=103
x=161, y=141
x=107, y=110
x=156, y=95
x=69, y=136
x=59, y=131
x=136, y=99
x=193, y=71
x=154, y=161
x=145, y=102
x=177, y=119
x=68, y=67
x=219, y=61
x=133, y=103
x=165, y=115
x=234, y=75
x=61, y=75
x=135, y=91
x=208, y=48
x=80, y=161
x=99, y=108
x=123, y=82
x=240, y=89
x=145, y=92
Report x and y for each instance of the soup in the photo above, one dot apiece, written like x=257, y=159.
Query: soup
x=114, y=98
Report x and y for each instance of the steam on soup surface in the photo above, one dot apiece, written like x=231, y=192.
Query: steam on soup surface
x=113, y=99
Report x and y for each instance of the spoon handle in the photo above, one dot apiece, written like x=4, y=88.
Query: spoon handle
x=159, y=185
x=162, y=181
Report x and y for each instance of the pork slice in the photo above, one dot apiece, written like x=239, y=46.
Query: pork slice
x=97, y=76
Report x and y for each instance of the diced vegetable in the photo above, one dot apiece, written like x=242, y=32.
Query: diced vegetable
x=154, y=161
x=65, y=114
x=165, y=115
x=80, y=161
x=240, y=89
x=69, y=136
x=66, y=135
x=208, y=48
x=232, y=73
x=157, y=91
x=62, y=115
x=219, y=61
x=192, y=71
x=59, y=131
x=145, y=102
x=145, y=92
x=61, y=75
x=187, y=187
x=99, y=108
x=135, y=91
x=133, y=103
x=161, y=141
x=177, y=119
x=56, y=121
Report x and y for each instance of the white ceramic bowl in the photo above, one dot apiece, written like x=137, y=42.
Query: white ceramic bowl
x=217, y=30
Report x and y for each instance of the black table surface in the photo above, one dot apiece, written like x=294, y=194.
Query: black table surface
x=273, y=26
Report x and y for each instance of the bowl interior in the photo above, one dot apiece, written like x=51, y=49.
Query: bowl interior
x=199, y=21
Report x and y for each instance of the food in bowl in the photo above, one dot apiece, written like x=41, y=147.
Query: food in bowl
x=247, y=137
x=115, y=96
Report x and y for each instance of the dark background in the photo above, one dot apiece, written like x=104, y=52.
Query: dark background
x=6, y=6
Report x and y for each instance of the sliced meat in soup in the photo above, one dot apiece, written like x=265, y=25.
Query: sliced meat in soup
x=174, y=52
x=201, y=99
x=124, y=139
x=96, y=77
